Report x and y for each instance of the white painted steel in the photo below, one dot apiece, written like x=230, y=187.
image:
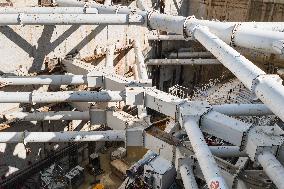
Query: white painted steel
x=141, y=68
x=48, y=10
x=243, y=109
x=161, y=62
x=66, y=96
x=187, y=176
x=270, y=91
x=166, y=37
x=66, y=136
x=273, y=168
x=44, y=80
x=227, y=151
x=241, y=67
x=70, y=19
x=44, y=116
x=203, y=154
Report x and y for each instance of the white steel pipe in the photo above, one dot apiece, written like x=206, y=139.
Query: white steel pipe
x=243, y=109
x=65, y=96
x=227, y=151
x=152, y=37
x=44, y=80
x=66, y=136
x=187, y=176
x=48, y=10
x=267, y=88
x=166, y=62
x=273, y=168
x=70, y=19
x=141, y=68
x=203, y=154
x=48, y=116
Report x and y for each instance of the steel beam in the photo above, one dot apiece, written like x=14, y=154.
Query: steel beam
x=66, y=136
x=45, y=80
x=48, y=116
x=224, y=127
x=183, y=62
x=66, y=96
x=187, y=176
x=273, y=168
x=203, y=154
x=48, y=10
x=242, y=109
x=70, y=19
x=227, y=151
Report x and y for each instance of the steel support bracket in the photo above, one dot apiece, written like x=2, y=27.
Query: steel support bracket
x=264, y=138
x=192, y=109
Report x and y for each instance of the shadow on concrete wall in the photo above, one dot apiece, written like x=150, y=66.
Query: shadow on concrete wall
x=44, y=46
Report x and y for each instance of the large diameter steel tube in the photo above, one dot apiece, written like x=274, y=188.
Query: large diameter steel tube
x=266, y=88
x=187, y=176
x=66, y=96
x=241, y=67
x=70, y=19
x=203, y=154
x=67, y=136
x=244, y=35
x=45, y=80
x=48, y=116
x=243, y=109
x=48, y=10
x=273, y=168
x=182, y=62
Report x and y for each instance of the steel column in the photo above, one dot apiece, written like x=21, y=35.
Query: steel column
x=66, y=136
x=203, y=154
x=272, y=168
x=66, y=96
